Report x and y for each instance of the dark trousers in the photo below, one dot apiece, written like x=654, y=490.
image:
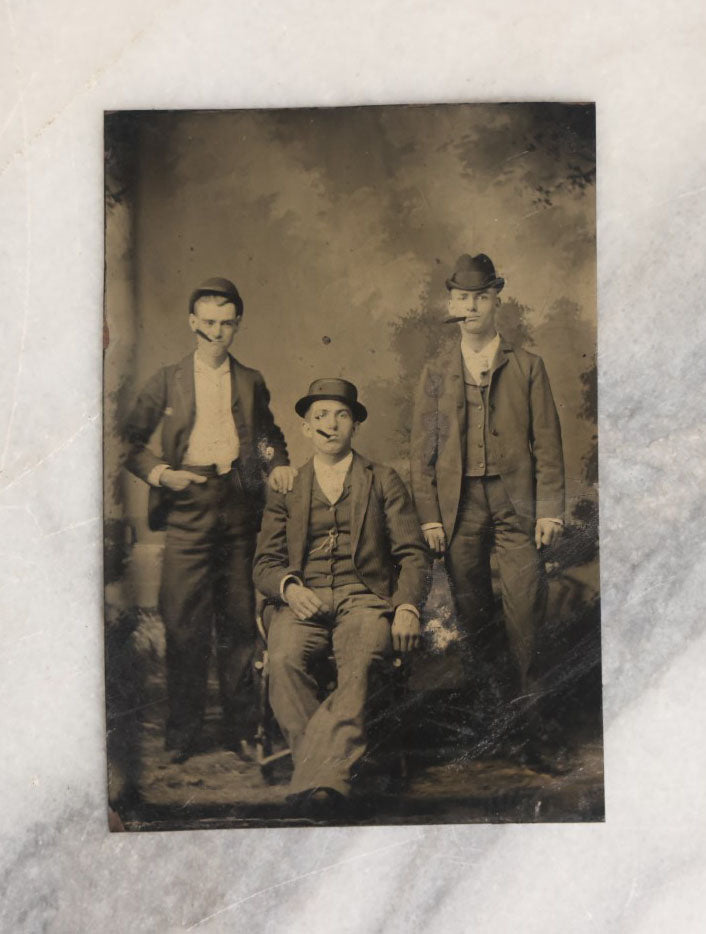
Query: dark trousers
x=487, y=520
x=328, y=739
x=207, y=587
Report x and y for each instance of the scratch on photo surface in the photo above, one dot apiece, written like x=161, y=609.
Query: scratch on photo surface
x=60, y=447
x=304, y=875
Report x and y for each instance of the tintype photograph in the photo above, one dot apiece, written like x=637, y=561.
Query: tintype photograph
x=351, y=466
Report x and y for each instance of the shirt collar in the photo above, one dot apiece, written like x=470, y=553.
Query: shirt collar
x=489, y=351
x=203, y=368
x=339, y=469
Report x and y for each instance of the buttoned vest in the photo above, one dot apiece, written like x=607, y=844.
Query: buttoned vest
x=479, y=458
x=329, y=562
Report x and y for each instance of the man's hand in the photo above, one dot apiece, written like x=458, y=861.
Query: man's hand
x=435, y=539
x=546, y=532
x=178, y=480
x=405, y=631
x=304, y=602
x=282, y=478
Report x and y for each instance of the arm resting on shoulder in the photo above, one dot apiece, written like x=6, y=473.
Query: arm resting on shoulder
x=407, y=548
x=424, y=448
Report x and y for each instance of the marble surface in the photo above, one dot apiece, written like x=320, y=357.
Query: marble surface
x=61, y=66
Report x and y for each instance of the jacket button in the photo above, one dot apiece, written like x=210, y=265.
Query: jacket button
x=494, y=432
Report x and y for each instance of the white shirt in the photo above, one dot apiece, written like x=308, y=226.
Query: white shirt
x=478, y=363
x=214, y=437
x=331, y=477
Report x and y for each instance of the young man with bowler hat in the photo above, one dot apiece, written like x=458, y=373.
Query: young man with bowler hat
x=343, y=555
x=220, y=445
x=487, y=473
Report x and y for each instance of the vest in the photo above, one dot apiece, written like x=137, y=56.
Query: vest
x=479, y=458
x=329, y=562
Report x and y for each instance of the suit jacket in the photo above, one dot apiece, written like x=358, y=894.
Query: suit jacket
x=389, y=553
x=170, y=398
x=524, y=437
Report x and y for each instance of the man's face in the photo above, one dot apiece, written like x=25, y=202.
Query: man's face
x=330, y=426
x=216, y=319
x=477, y=307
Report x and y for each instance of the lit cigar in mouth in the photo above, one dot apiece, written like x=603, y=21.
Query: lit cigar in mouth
x=319, y=431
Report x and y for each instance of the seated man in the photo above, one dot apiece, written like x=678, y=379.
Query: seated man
x=345, y=554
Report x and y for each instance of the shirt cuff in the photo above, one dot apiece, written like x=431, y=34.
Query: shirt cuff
x=288, y=579
x=408, y=606
x=431, y=525
x=550, y=519
x=155, y=475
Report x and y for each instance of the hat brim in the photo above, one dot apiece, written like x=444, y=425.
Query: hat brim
x=199, y=293
x=360, y=413
x=496, y=283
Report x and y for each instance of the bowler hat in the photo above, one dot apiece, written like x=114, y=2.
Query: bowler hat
x=217, y=286
x=474, y=274
x=340, y=390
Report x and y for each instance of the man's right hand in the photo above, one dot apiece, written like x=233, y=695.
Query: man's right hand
x=435, y=539
x=178, y=480
x=304, y=602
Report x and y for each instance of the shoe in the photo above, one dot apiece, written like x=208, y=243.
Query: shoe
x=179, y=756
x=319, y=802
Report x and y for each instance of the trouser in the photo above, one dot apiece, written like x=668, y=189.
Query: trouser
x=207, y=586
x=487, y=520
x=328, y=739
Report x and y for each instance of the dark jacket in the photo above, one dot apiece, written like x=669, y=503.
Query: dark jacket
x=388, y=550
x=170, y=398
x=524, y=437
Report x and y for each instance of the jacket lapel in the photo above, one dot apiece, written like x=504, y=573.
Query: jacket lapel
x=234, y=387
x=501, y=357
x=299, y=505
x=457, y=388
x=361, y=481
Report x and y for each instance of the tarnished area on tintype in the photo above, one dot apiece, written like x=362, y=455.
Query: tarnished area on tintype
x=351, y=510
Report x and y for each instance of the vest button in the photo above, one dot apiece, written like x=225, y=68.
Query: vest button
x=494, y=432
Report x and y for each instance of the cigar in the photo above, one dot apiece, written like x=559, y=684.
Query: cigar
x=205, y=336
x=455, y=319
x=324, y=433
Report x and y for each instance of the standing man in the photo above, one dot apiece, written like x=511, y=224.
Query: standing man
x=219, y=443
x=487, y=472
x=344, y=556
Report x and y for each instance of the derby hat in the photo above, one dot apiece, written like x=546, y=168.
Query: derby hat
x=340, y=390
x=217, y=286
x=474, y=274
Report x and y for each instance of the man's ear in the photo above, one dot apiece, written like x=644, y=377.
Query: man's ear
x=193, y=323
x=306, y=428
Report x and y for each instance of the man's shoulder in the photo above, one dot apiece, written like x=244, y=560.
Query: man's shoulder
x=246, y=372
x=381, y=472
x=521, y=352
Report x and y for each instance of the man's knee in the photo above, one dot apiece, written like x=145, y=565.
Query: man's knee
x=287, y=646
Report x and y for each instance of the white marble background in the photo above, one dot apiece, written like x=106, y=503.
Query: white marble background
x=61, y=64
